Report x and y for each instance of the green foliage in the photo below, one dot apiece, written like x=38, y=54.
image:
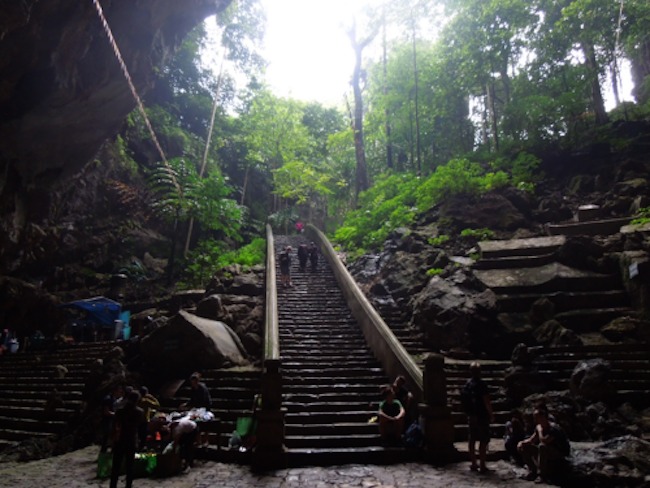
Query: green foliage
x=383, y=208
x=642, y=216
x=522, y=172
x=179, y=194
x=483, y=234
x=283, y=219
x=439, y=240
x=211, y=255
x=457, y=177
x=434, y=271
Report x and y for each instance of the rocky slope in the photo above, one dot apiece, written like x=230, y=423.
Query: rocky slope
x=62, y=94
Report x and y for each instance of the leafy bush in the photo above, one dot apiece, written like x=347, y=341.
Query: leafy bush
x=211, y=255
x=439, y=240
x=483, y=234
x=383, y=208
x=642, y=216
x=434, y=271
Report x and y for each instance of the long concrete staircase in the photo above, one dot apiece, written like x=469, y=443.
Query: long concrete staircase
x=331, y=380
x=34, y=402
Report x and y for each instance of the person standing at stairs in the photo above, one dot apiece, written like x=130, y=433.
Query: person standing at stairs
x=478, y=407
x=303, y=256
x=109, y=406
x=313, y=256
x=285, y=267
x=128, y=421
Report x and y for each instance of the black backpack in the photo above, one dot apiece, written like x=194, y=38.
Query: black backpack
x=284, y=258
x=469, y=399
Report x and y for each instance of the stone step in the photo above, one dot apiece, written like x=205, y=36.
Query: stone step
x=509, y=262
x=564, y=301
x=569, y=364
x=333, y=441
x=361, y=374
x=520, y=247
x=36, y=413
x=343, y=394
x=335, y=363
x=549, y=278
x=33, y=425
x=589, y=228
x=331, y=429
x=591, y=348
x=8, y=434
x=320, y=406
x=44, y=386
x=25, y=393
x=587, y=320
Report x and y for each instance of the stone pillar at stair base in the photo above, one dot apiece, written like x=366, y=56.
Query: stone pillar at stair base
x=435, y=413
x=269, y=453
x=269, y=450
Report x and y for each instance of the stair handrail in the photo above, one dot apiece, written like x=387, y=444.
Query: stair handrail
x=382, y=341
x=271, y=329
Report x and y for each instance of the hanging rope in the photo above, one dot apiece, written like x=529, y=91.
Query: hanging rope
x=134, y=92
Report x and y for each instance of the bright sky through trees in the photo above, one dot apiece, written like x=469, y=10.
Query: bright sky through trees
x=309, y=53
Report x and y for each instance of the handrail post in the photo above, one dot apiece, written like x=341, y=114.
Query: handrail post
x=269, y=450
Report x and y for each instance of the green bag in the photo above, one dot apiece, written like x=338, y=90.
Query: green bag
x=244, y=426
x=104, y=464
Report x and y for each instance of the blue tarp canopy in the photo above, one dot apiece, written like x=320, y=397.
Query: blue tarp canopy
x=101, y=309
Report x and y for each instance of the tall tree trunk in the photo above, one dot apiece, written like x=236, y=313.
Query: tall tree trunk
x=596, y=95
x=387, y=127
x=492, y=109
x=361, y=180
x=418, y=147
x=244, y=185
x=640, y=69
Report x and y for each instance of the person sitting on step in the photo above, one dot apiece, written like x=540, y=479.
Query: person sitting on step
x=391, y=416
x=545, y=450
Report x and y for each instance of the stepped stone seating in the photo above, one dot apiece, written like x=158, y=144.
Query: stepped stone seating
x=584, y=300
x=233, y=392
x=629, y=376
x=34, y=403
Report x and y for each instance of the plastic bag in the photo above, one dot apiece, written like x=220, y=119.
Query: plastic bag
x=104, y=464
x=244, y=426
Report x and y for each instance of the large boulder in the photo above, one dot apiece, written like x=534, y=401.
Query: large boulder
x=457, y=312
x=622, y=461
x=492, y=210
x=590, y=379
x=552, y=333
x=189, y=343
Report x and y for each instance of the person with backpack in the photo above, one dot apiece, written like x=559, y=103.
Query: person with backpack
x=303, y=255
x=478, y=407
x=313, y=256
x=544, y=451
x=285, y=267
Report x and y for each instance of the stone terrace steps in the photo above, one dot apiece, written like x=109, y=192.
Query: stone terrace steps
x=27, y=383
x=584, y=300
x=331, y=381
x=233, y=392
x=629, y=374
